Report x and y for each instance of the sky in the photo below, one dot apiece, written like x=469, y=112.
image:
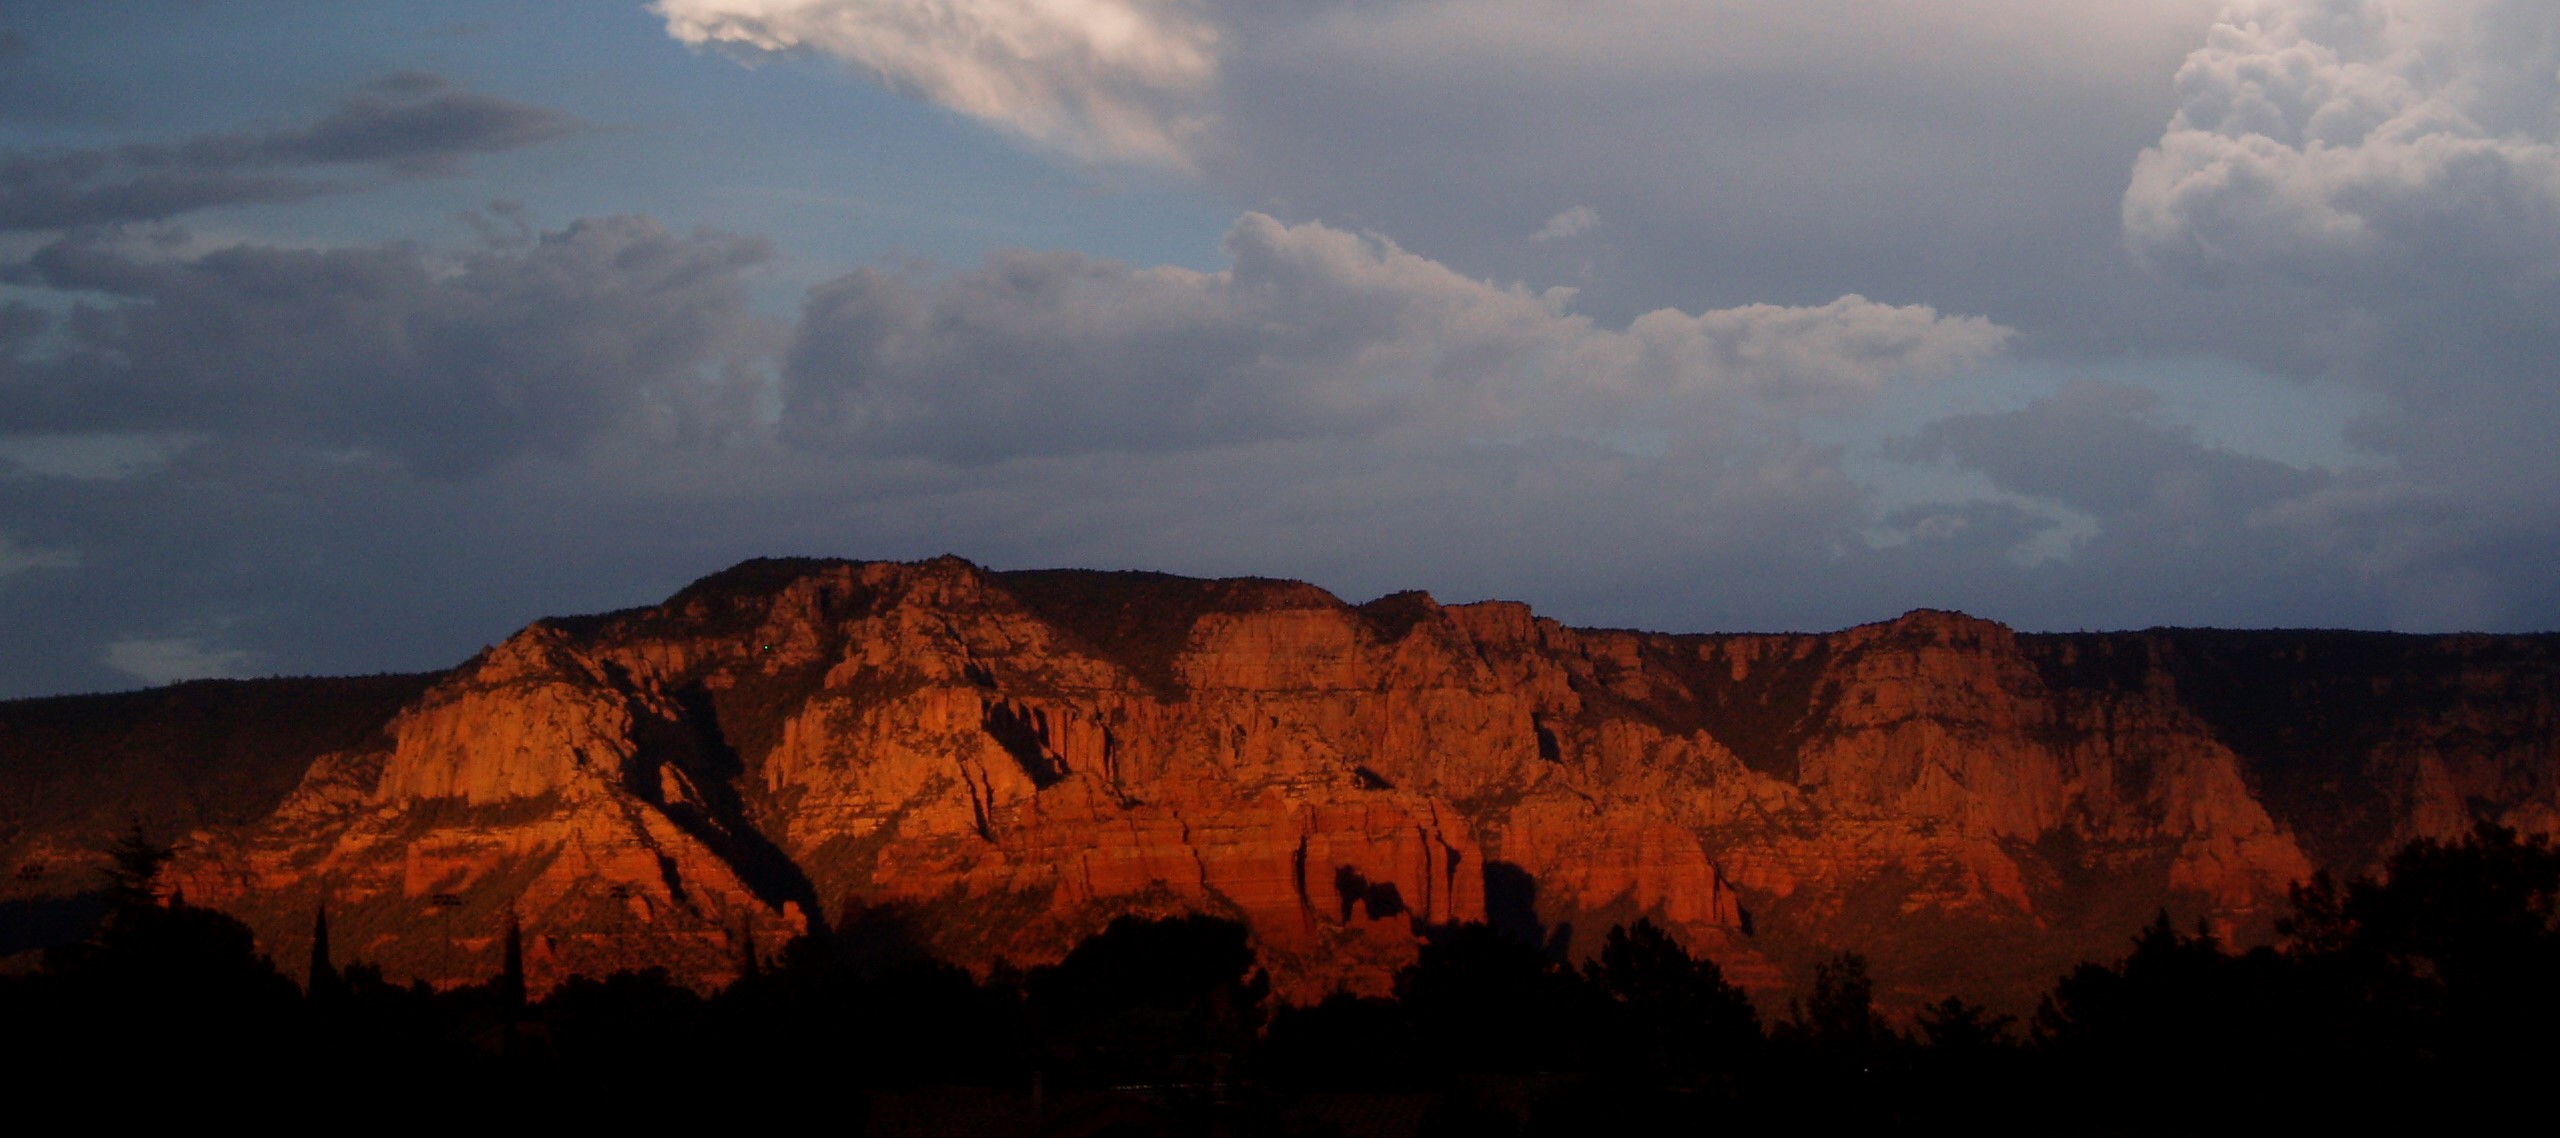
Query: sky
x=345, y=338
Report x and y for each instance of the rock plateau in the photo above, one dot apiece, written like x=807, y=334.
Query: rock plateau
x=1006, y=760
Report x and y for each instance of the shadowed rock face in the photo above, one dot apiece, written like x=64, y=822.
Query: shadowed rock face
x=1014, y=758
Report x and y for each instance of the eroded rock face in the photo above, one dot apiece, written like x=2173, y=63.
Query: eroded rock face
x=540, y=785
x=1014, y=758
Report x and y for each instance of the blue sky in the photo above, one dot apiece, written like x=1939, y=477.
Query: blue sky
x=850, y=172
x=351, y=337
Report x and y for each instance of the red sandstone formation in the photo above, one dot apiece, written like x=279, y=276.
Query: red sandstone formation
x=1014, y=758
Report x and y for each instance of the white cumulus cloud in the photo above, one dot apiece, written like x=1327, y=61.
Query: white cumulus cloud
x=2373, y=140
x=1106, y=79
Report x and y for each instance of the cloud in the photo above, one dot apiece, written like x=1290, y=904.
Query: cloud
x=2384, y=179
x=1101, y=79
x=583, y=420
x=2100, y=508
x=408, y=125
x=2109, y=511
x=411, y=123
x=324, y=440
x=16, y=558
x=174, y=660
x=2381, y=143
x=1969, y=153
x=2106, y=450
x=607, y=324
x=1312, y=331
x=20, y=324
x=1329, y=406
x=1571, y=223
x=90, y=457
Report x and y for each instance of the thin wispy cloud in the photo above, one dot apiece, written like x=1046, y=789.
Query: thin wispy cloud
x=410, y=125
x=172, y=660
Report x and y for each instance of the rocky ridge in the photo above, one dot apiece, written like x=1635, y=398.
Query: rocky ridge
x=1009, y=759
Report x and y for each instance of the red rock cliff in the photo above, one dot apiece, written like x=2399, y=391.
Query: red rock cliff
x=1017, y=757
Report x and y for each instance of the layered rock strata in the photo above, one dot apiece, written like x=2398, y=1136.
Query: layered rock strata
x=1010, y=759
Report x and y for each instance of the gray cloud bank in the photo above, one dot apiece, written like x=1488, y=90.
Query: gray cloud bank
x=380, y=456
x=357, y=457
x=1312, y=332
x=448, y=367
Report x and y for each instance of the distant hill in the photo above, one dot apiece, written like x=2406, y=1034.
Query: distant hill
x=203, y=753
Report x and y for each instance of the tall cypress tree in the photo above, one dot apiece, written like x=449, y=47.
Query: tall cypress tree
x=324, y=982
x=511, y=974
x=748, y=965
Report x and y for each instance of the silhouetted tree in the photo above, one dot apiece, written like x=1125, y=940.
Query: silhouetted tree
x=322, y=984
x=1955, y=1027
x=1484, y=1001
x=2471, y=926
x=164, y=991
x=1174, y=999
x=2181, y=1029
x=511, y=989
x=1672, y=1012
x=2440, y=978
x=750, y=962
x=134, y=863
x=1838, y=1017
x=2423, y=995
x=1344, y=1042
x=1970, y=1070
x=626, y=1031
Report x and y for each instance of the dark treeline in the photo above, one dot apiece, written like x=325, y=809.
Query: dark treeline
x=2426, y=996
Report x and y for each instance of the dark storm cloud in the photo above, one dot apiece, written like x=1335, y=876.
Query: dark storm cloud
x=606, y=324
x=2114, y=514
x=343, y=421
x=2149, y=517
x=2102, y=449
x=408, y=125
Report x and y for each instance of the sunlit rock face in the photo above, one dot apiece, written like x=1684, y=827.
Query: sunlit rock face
x=1010, y=759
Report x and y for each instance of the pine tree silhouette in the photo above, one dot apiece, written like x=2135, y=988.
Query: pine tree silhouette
x=323, y=983
x=134, y=863
x=511, y=971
